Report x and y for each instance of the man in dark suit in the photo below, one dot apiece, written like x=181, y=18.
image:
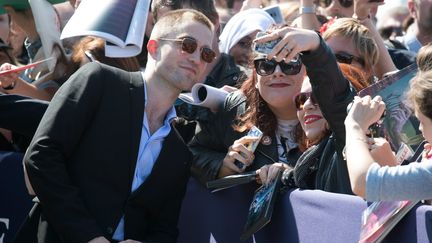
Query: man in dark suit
x=106, y=163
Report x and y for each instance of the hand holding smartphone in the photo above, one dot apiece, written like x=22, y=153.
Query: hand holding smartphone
x=253, y=132
x=266, y=47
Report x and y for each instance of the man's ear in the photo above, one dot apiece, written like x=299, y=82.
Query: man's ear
x=152, y=47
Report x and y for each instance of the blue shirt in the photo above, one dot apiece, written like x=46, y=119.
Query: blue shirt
x=149, y=149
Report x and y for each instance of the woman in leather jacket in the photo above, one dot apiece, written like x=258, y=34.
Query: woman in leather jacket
x=321, y=111
x=264, y=101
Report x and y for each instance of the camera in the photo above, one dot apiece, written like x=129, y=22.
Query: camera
x=375, y=130
x=266, y=47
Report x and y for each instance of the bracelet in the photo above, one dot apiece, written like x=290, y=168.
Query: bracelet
x=10, y=86
x=307, y=10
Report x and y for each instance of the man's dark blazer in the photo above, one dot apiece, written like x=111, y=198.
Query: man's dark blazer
x=82, y=159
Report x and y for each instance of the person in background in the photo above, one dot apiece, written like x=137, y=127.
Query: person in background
x=238, y=34
x=4, y=27
x=363, y=11
x=6, y=55
x=16, y=39
x=133, y=192
x=92, y=49
x=390, y=22
x=420, y=31
x=290, y=11
x=31, y=82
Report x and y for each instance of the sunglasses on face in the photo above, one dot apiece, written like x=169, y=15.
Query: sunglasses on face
x=347, y=58
x=189, y=45
x=343, y=3
x=301, y=98
x=265, y=67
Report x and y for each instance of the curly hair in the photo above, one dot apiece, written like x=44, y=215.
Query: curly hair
x=424, y=58
x=420, y=93
x=258, y=113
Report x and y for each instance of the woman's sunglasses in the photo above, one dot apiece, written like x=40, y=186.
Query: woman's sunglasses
x=343, y=3
x=301, y=98
x=265, y=67
x=189, y=45
x=347, y=58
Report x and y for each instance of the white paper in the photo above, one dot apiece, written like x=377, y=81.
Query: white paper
x=205, y=96
x=48, y=28
x=96, y=18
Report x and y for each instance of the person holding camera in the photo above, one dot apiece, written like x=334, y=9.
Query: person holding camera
x=220, y=147
x=321, y=109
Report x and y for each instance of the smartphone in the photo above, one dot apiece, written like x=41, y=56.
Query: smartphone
x=253, y=132
x=266, y=47
x=276, y=13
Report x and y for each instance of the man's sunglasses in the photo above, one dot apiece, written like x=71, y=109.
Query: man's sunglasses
x=189, y=45
x=347, y=58
x=301, y=98
x=343, y=3
x=265, y=67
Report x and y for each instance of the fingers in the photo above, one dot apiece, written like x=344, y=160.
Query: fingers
x=273, y=170
x=274, y=35
x=268, y=173
x=228, y=88
x=262, y=172
x=239, y=152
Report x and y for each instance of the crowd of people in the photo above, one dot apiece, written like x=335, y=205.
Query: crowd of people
x=109, y=147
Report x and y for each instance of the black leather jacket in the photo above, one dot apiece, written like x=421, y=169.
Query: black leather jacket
x=211, y=142
x=225, y=72
x=328, y=170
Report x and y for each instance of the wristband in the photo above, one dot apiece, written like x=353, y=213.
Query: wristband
x=307, y=10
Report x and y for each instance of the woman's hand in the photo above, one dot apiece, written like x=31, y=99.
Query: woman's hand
x=267, y=173
x=238, y=151
x=365, y=112
x=362, y=8
x=381, y=152
x=292, y=43
x=427, y=152
x=8, y=81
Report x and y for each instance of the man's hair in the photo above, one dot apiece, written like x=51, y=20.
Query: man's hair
x=165, y=24
x=420, y=93
x=206, y=7
x=360, y=36
x=160, y=4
